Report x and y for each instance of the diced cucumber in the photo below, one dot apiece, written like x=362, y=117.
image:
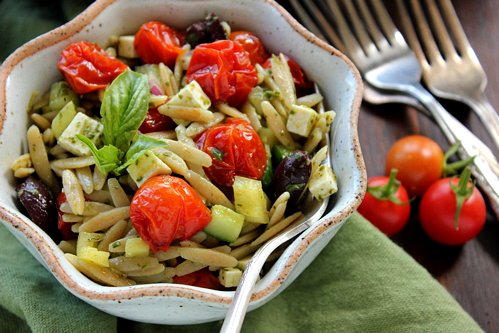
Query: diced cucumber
x=91, y=254
x=279, y=152
x=87, y=239
x=63, y=119
x=250, y=200
x=146, y=166
x=230, y=277
x=322, y=183
x=301, y=120
x=60, y=95
x=126, y=49
x=267, y=136
x=225, y=224
x=84, y=125
x=268, y=174
x=136, y=247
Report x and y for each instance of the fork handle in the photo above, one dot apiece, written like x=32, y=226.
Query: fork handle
x=485, y=166
x=487, y=114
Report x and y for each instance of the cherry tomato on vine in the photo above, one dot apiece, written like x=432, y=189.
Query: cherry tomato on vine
x=299, y=77
x=235, y=149
x=87, y=67
x=452, y=211
x=155, y=122
x=224, y=70
x=202, y=278
x=166, y=208
x=63, y=227
x=419, y=161
x=252, y=44
x=386, y=204
x=156, y=42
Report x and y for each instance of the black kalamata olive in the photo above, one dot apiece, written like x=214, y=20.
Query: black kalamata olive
x=292, y=175
x=206, y=31
x=38, y=201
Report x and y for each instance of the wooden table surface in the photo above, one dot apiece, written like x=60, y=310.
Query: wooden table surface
x=470, y=272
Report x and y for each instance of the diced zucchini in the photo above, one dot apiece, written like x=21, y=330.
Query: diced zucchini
x=230, y=277
x=301, y=120
x=87, y=239
x=60, y=95
x=322, y=183
x=225, y=224
x=84, y=125
x=146, y=166
x=91, y=254
x=63, y=119
x=279, y=152
x=136, y=247
x=191, y=95
x=267, y=136
x=126, y=49
x=250, y=200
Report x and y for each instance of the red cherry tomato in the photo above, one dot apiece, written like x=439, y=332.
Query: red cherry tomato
x=389, y=212
x=252, y=44
x=224, y=70
x=419, y=161
x=156, y=42
x=63, y=227
x=202, y=278
x=87, y=67
x=155, y=122
x=166, y=208
x=236, y=149
x=299, y=78
x=437, y=211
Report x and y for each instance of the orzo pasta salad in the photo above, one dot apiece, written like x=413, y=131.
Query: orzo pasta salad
x=172, y=156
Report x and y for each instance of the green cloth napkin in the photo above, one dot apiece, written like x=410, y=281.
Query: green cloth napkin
x=361, y=282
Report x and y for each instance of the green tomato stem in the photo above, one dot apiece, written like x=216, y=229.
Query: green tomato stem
x=387, y=191
x=463, y=190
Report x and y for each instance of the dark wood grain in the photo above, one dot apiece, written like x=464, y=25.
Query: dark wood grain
x=470, y=272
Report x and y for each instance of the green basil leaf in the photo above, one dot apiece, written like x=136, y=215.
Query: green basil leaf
x=140, y=145
x=106, y=158
x=124, y=108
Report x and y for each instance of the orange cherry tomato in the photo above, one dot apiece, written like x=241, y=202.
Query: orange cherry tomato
x=419, y=161
x=156, y=42
x=252, y=44
x=224, y=70
x=87, y=67
x=166, y=208
x=235, y=149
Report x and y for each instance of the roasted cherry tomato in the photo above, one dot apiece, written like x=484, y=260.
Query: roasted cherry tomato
x=252, y=44
x=419, y=161
x=299, y=78
x=156, y=42
x=63, y=227
x=87, y=67
x=236, y=150
x=156, y=121
x=386, y=204
x=224, y=70
x=166, y=208
x=452, y=211
x=202, y=278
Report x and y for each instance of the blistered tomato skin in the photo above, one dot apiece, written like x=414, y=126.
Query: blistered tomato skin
x=235, y=149
x=223, y=70
x=166, y=208
x=156, y=43
x=87, y=67
x=252, y=44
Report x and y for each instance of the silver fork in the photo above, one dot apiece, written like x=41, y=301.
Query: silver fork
x=453, y=70
x=372, y=95
x=386, y=62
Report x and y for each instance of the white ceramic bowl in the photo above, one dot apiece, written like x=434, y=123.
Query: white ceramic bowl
x=32, y=67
